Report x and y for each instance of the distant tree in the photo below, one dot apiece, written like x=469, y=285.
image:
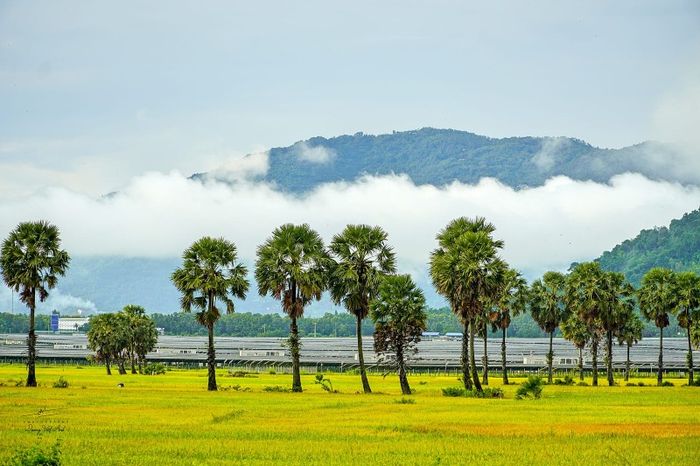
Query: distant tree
x=31, y=260
x=210, y=272
x=511, y=300
x=630, y=333
x=362, y=258
x=579, y=333
x=292, y=267
x=547, y=308
x=108, y=337
x=657, y=298
x=687, y=310
x=143, y=335
x=466, y=269
x=399, y=315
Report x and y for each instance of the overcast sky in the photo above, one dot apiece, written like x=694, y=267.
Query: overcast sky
x=94, y=93
x=128, y=97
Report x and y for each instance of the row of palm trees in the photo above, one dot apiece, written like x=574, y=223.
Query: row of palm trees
x=294, y=266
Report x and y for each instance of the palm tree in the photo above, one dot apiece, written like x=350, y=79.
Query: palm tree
x=133, y=312
x=657, y=297
x=292, y=266
x=688, y=310
x=577, y=332
x=615, y=313
x=512, y=300
x=210, y=272
x=399, y=315
x=630, y=333
x=466, y=269
x=362, y=258
x=547, y=308
x=31, y=260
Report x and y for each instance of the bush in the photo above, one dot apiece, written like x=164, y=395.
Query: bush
x=453, y=391
x=631, y=384
x=35, y=456
x=61, y=383
x=486, y=393
x=325, y=383
x=568, y=380
x=276, y=389
x=531, y=388
x=405, y=401
x=154, y=369
x=666, y=383
x=640, y=384
x=582, y=384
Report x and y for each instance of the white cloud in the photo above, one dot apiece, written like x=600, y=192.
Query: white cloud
x=546, y=158
x=544, y=227
x=316, y=154
x=237, y=168
x=57, y=300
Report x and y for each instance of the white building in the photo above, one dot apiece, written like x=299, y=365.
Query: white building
x=71, y=324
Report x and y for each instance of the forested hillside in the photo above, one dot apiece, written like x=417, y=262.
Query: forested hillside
x=676, y=247
x=440, y=156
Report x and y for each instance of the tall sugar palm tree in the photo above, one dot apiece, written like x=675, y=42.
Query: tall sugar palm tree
x=31, y=260
x=210, y=273
x=579, y=333
x=512, y=300
x=466, y=269
x=614, y=313
x=362, y=258
x=657, y=298
x=399, y=315
x=687, y=310
x=547, y=308
x=630, y=333
x=292, y=267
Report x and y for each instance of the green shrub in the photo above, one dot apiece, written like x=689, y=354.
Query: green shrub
x=666, y=383
x=582, y=384
x=568, y=380
x=640, y=384
x=61, y=383
x=453, y=391
x=405, y=401
x=154, y=369
x=35, y=456
x=531, y=388
x=486, y=393
x=276, y=388
x=631, y=384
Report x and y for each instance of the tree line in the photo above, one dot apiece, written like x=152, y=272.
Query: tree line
x=358, y=268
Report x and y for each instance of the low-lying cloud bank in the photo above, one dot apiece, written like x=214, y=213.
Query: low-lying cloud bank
x=545, y=227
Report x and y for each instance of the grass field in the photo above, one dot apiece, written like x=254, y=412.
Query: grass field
x=171, y=419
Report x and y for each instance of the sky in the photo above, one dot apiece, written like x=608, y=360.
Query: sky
x=132, y=98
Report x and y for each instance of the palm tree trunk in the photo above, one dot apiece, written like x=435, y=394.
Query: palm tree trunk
x=580, y=364
x=31, y=343
x=109, y=369
x=691, y=378
x=550, y=357
x=472, y=359
x=660, y=373
x=361, y=357
x=466, y=376
x=485, y=358
x=627, y=364
x=403, y=379
x=211, y=359
x=609, y=358
x=141, y=365
x=594, y=359
x=503, y=358
x=294, y=348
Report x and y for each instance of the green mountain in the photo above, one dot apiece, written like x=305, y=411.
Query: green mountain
x=676, y=247
x=441, y=156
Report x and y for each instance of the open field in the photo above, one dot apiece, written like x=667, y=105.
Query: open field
x=171, y=419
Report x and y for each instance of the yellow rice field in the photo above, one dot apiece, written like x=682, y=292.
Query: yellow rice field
x=172, y=420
